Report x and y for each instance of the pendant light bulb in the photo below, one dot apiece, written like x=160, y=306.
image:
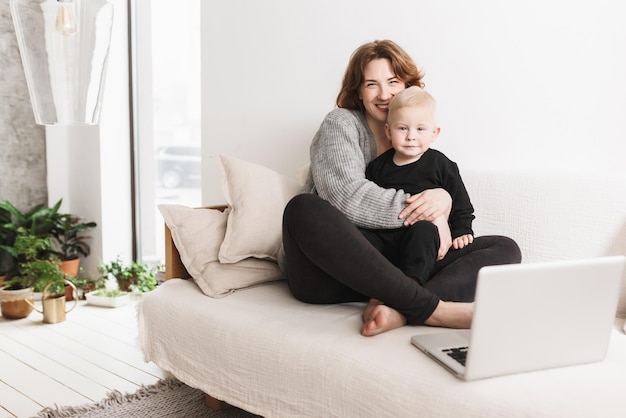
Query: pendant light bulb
x=66, y=18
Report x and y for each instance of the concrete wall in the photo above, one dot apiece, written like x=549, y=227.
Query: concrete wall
x=22, y=143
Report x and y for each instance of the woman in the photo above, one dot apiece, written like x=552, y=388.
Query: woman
x=328, y=260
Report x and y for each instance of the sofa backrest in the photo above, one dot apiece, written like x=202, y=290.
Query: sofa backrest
x=553, y=215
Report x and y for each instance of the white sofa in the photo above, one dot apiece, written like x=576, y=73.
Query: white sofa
x=259, y=349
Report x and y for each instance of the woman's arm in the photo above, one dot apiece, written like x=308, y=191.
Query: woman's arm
x=340, y=151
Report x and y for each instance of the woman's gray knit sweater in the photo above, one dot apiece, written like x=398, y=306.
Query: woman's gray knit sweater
x=340, y=151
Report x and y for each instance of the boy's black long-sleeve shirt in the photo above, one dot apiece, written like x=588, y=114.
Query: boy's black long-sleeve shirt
x=432, y=170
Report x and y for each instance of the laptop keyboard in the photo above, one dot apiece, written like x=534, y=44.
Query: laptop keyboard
x=457, y=353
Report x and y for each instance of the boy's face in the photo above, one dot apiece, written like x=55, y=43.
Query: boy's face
x=411, y=130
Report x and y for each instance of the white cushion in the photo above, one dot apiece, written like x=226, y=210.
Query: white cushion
x=257, y=197
x=198, y=234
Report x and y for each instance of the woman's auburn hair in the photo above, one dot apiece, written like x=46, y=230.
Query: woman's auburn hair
x=402, y=64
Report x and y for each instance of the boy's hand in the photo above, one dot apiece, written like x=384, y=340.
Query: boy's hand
x=462, y=241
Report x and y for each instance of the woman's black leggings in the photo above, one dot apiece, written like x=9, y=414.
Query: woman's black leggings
x=328, y=260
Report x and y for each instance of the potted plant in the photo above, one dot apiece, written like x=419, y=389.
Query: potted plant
x=133, y=277
x=38, y=221
x=35, y=269
x=87, y=284
x=130, y=277
x=70, y=241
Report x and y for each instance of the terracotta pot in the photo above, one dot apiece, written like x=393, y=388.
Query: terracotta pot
x=124, y=284
x=69, y=292
x=89, y=287
x=14, y=303
x=70, y=267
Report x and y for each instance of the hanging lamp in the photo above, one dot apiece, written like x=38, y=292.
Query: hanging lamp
x=64, y=45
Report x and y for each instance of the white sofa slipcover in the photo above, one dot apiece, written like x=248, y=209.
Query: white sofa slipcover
x=261, y=350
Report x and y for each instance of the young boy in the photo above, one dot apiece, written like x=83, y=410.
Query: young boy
x=412, y=166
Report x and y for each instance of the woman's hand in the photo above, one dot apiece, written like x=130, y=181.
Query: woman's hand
x=445, y=237
x=427, y=206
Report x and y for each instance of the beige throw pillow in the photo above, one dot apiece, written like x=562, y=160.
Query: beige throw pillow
x=257, y=197
x=198, y=235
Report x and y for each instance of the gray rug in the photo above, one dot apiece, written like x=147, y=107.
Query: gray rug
x=167, y=398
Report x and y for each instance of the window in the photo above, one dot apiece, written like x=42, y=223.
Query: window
x=178, y=166
x=166, y=77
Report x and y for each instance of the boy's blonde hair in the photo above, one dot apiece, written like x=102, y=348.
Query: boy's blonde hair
x=413, y=96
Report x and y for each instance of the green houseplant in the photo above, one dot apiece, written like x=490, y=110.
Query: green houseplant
x=130, y=277
x=71, y=242
x=33, y=257
x=36, y=268
x=88, y=284
x=38, y=221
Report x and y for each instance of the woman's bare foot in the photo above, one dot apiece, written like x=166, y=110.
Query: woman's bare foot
x=452, y=315
x=367, y=312
x=378, y=318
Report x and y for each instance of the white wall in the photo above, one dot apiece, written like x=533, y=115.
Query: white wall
x=536, y=83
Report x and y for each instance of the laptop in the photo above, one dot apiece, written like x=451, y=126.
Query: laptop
x=532, y=317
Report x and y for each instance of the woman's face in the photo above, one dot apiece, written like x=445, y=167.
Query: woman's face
x=379, y=86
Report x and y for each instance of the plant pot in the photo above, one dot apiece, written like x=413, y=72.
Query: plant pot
x=14, y=303
x=69, y=293
x=88, y=287
x=124, y=284
x=70, y=267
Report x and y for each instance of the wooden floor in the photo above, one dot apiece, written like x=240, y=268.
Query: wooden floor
x=73, y=362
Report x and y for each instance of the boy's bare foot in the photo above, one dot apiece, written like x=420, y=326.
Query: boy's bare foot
x=452, y=315
x=378, y=318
